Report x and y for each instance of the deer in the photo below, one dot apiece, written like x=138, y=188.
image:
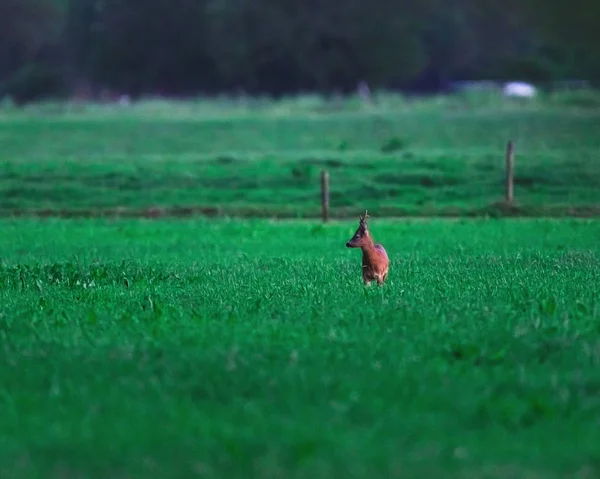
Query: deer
x=375, y=261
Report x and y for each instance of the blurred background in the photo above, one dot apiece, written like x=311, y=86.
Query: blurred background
x=90, y=48
x=235, y=107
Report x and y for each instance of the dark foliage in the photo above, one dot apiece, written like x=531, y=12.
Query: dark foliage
x=182, y=47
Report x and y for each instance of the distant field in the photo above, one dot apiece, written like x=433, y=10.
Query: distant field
x=135, y=349
x=399, y=160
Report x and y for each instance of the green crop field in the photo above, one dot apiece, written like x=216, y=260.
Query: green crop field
x=239, y=345
x=396, y=159
x=249, y=348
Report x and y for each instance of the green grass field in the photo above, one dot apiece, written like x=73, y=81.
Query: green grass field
x=238, y=346
x=214, y=348
x=401, y=159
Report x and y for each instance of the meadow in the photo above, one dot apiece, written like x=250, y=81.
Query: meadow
x=238, y=346
x=403, y=158
x=215, y=348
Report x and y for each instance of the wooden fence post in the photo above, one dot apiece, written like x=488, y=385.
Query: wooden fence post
x=325, y=195
x=510, y=171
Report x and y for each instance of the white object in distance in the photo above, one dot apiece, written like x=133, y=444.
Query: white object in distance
x=519, y=89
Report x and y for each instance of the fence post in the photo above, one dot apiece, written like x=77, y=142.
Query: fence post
x=325, y=195
x=510, y=170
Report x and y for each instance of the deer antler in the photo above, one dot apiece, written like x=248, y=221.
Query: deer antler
x=363, y=218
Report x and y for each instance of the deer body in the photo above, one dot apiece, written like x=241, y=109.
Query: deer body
x=375, y=261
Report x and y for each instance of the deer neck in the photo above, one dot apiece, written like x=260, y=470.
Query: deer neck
x=368, y=248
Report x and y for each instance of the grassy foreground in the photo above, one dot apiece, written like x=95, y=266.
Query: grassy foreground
x=397, y=161
x=250, y=349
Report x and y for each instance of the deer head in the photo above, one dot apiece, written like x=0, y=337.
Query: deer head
x=361, y=237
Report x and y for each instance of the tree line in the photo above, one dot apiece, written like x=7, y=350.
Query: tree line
x=48, y=48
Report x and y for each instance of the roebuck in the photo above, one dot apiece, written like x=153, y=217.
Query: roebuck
x=375, y=261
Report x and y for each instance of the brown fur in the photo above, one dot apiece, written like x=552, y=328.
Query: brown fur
x=375, y=261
